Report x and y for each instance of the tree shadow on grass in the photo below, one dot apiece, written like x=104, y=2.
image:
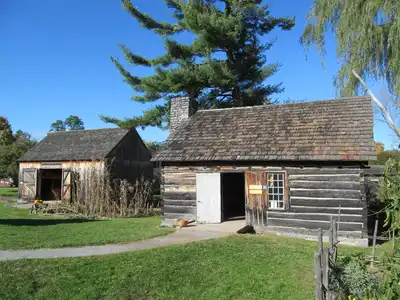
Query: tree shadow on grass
x=41, y=222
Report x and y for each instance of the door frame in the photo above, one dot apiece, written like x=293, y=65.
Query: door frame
x=222, y=192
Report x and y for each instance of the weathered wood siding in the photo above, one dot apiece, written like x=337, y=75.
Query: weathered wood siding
x=24, y=192
x=178, y=189
x=87, y=176
x=317, y=194
x=82, y=174
x=314, y=195
x=130, y=159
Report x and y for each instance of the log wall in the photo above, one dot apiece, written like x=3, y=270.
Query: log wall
x=317, y=194
x=178, y=187
x=314, y=195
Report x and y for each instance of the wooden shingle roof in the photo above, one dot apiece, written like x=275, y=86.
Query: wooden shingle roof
x=339, y=130
x=76, y=145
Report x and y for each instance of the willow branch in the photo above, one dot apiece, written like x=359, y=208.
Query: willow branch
x=386, y=114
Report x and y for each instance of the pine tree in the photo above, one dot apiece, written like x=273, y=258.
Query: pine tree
x=368, y=39
x=224, y=66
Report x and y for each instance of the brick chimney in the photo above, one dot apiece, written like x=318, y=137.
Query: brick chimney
x=181, y=109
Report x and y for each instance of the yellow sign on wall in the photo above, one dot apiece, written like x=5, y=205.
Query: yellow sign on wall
x=255, y=187
x=256, y=192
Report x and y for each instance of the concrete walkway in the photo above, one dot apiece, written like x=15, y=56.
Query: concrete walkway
x=181, y=236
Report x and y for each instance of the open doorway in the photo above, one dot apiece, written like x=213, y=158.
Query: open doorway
x=233, y=196
x=50, y=184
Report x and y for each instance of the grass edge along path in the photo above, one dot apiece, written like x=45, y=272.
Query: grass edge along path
x=20, y=230
x=236, y=267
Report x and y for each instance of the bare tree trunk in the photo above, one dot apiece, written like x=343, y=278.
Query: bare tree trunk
x=386, y=114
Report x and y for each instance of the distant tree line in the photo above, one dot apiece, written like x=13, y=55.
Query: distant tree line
x=12, y=146
x=383, y=155
x=70, y=123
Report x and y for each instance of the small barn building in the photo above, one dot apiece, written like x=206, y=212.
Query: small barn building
x=49, y=169
x=281, y=167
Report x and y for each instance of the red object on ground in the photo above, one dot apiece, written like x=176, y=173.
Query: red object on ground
x=183, y=223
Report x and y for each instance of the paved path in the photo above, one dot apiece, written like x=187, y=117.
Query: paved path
x=181, y=236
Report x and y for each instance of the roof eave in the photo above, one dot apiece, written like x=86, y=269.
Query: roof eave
x=58, y=160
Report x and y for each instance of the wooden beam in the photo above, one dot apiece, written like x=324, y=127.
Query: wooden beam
x=323, y=177
x=179, y=209
x=326, y=210
x=313, y=224
x=179, y=195
x=328, y=193
x=313, y=216
x=351, y=185
x=176, y=216
x=325, y=202
x=180, y=202
x=324, y=171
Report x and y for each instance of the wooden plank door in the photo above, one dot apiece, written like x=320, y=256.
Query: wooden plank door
x=208, y=197
x=29, y=184
x=256, y=198
x=66, y=185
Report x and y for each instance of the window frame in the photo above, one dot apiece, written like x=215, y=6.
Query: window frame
x=285, y=190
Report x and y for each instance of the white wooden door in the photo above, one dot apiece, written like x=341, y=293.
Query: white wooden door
x=208, y=197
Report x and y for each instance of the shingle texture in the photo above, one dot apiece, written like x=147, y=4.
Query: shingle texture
x=75, y=145
x=340, y=129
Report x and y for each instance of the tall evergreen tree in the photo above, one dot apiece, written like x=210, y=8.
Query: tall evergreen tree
x=224, y=66
x=368, y=39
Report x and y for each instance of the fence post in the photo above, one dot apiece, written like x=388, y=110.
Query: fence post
x=334, y=239
x=322, y=262
x=318, y=275
x=325, y=273
x=374, y=242
x=320, y=241
x=330, y=237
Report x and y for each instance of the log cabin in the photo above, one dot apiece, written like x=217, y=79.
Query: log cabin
x=285, y=167
x=48, y=170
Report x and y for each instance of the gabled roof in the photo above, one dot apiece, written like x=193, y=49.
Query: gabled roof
x=339, y=130
x=78, y=145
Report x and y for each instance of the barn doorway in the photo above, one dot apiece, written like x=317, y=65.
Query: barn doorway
x=50, y=184
x=233, y=196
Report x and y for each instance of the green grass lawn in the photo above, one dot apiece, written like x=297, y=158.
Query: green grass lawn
x=238, y=267
x=9, y=192
x=20, y=230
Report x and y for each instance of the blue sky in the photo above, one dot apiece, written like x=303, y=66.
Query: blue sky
x=54, y=62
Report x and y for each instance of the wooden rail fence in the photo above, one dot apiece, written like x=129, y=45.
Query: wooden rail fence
x=323, y=261
x=326, y=257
